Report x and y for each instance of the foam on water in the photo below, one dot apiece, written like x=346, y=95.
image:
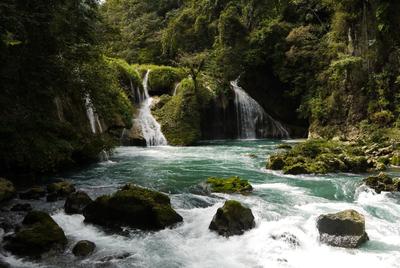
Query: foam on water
x=285, y=210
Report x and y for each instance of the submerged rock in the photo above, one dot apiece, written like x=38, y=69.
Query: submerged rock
x=289, y=238
x=232, y=219
x=59, y=190
x=34, y=193
x=132, y=206
x=7, y=190
x=382, y=182
x=343, y=229
x=76, y=202
x=83, y=248
x=39, y=233
x=229, y=185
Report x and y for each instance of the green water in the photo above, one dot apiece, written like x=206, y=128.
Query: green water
x=280, y=203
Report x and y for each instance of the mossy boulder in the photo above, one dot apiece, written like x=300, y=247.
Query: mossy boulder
x=39, y=234
x=132, y=206
x=33, y=193
x=296, y=169
x=7, y=190
x=232, y=219
x=83, y=248
x=382, y=183
x=320, y=157
x=180, y=116
x=59, y=190
x=343, y=229
x=76, y=202
x=229, y=185
x=276, y=162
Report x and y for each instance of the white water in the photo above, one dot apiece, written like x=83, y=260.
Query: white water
x=175, y=89
x=252, y=120
x=92, y=116
x=149, y=126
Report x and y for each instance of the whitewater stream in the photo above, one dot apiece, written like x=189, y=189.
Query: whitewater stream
x=285, y=208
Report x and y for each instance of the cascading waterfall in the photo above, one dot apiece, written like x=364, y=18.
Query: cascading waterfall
x=252, y=120
x=150, y=128
x=175, y=89
x=92, y=116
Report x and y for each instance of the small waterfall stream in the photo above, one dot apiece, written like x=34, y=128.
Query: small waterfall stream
x=92, y=116
x=252, y=120
x=150, y=128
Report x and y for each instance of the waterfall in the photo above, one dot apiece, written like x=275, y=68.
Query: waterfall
x=150, y=128
x=92, y=116
x=252, y=120
x=175, y=89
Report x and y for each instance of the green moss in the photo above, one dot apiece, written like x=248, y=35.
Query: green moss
x=39, y=234
x=180, y=116
x=164, y=78
x=229, y=185
x=132, y=206
x=320, y=157
x=276, y=162
x=395, y=159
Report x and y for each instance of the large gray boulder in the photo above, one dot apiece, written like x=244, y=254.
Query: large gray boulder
x=343, y=229
x=232, y=219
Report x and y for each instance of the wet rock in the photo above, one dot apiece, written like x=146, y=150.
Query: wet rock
x=133, y=136
x=132, y=206
x=382, y=182
x=343, y=229
x=59, y=190
x=39, y=234
x=22, y=207
x=232, y=219
x=296, y=169
x=83, y=248
x=288, y=238
x=76, y=202
x=228, y=185
x=34, y=193
x=276, y=162
x=7, y=190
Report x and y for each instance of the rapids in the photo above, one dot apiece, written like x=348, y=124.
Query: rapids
x=282, y=205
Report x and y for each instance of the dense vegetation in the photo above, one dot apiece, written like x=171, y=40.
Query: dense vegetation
x=332, y=66
x=51, y=62
x=333, y=63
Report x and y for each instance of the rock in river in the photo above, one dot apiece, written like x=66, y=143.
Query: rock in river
x=59, y=190
x=39, y=233
x=83, y=248
x=132, y=206
x=343, y=229
x=232, y=219
x=76, y=202
x=383, y=182
x=228, y=185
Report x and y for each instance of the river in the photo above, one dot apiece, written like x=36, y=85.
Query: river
x=285, y=208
